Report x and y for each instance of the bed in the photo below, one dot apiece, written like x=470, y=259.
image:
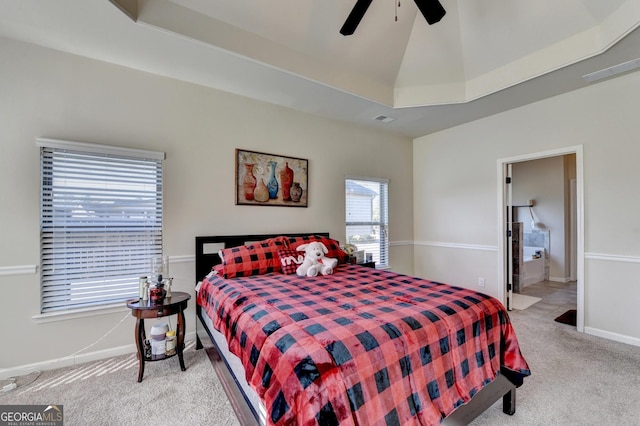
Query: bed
x=360, y=346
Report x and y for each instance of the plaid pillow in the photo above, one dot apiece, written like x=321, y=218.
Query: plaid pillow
x=332, y=245
x=290, y=260
x=252, y=259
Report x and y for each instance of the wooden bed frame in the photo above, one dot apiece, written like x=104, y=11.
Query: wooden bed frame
x=206, y=257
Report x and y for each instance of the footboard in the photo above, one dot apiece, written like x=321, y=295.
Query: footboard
x=501, y=387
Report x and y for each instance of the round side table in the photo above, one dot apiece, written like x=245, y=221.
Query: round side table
x=141, y=309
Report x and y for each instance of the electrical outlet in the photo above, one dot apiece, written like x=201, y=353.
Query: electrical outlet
x=481, y=281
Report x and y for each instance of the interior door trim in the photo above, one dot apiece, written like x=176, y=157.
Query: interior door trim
x=578, y=150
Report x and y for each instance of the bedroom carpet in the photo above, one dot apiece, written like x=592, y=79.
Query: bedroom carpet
x=106, y=392
x=576, y=379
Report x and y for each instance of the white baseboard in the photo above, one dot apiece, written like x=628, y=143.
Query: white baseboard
x=633, y=341
x=560, y=279
x=76, y=359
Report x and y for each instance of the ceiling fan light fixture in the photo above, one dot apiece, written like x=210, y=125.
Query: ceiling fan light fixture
x=432, y=11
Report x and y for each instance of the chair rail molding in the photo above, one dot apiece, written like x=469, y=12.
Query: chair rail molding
x=456, y=245
x=612, y=257
x=18, y=270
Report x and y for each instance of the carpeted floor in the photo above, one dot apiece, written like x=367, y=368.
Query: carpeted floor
x=577, y=379
x=107, y=392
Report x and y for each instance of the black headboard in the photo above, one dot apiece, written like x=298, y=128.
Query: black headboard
x=205, y=260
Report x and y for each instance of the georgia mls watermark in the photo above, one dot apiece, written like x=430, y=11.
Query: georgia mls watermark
x=31, y=415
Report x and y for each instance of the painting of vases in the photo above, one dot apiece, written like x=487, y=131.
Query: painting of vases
x=271, y=180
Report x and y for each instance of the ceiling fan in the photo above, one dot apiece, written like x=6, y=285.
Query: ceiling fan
x=432, y=11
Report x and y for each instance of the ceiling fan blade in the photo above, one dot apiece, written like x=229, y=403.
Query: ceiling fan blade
x=355, y=17
x=432, y=10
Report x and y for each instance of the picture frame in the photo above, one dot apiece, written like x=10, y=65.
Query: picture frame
x=271, y=180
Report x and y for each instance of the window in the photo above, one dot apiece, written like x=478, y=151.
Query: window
x=367, y=217
x=100, y=222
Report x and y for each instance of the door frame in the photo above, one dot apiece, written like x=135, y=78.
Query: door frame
x=502, y=220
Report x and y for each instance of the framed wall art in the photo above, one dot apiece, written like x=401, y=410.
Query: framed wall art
x=271, y=180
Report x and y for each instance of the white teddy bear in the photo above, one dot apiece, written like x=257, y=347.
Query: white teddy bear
x=315, y=261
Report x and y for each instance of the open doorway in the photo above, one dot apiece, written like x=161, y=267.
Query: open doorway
x=561, y=238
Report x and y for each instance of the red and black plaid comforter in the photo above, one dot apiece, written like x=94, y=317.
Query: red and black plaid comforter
x=362, y=346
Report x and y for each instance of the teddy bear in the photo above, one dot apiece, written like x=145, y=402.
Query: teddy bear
x=315, y=262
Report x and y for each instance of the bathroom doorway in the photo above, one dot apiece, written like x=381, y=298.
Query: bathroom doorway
x=533, y=197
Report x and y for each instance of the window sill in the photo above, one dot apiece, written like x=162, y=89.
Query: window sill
x=79, y=313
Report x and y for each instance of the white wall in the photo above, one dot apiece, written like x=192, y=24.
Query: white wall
x=455, y=195
x=52, y=94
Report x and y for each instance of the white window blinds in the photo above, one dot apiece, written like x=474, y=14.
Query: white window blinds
x=101, y=222
x=367, y=219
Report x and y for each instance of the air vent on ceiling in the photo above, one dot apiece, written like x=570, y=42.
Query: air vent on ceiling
x=611, y=71
x=383, y=118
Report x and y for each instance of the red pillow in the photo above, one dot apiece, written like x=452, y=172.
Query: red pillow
x=332, y=245
x=252, y=259
x=290, y=260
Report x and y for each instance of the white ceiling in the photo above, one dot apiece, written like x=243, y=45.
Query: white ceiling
x=482, y=58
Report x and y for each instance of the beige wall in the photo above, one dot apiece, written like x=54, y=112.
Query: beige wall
x=45, y=93
x=543, y=180
x=456, y=196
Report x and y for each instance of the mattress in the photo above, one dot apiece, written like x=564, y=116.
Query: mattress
x=237, y=370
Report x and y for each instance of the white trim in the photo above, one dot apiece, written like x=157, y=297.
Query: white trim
x=400, y=243
x=182, y=259
x=634, y=341
x=67, y=361
x=612, y=257
x=456, y=245
x=369, y=178
x=563, y=280
x=540, y=155
x=578, y=150
x=18, y=270
x=72, y=360
x=100, y=149
x=79, y=313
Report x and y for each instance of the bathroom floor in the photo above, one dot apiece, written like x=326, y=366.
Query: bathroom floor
x=557, y=298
